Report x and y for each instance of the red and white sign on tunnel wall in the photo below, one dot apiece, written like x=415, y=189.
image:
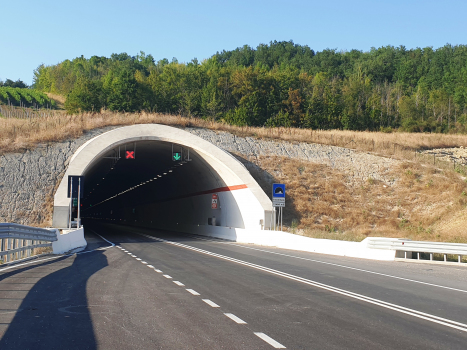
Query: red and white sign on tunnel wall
x=215, y=201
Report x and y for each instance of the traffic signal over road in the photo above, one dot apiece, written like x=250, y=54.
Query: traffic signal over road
x=176, y=156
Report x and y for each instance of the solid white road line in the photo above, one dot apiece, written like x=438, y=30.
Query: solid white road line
x=158, y=271
x=331, y=264
x=270, y=341
x=178, y=283
x=192, y=291
x=210, y=303
x=235, y=318
x=112, y=244
x=425, y=316
x=167, y=276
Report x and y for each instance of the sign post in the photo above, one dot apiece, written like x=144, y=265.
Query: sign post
x=278, y=200
x=75, y=191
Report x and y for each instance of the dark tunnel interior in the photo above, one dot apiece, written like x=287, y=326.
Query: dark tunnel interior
x=144, y=183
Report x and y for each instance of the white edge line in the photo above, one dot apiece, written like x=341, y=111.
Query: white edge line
x=398, y=308
x=332, y=264
x=270, y=341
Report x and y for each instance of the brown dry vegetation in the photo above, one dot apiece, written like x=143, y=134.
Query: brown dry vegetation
x=424, y=203
x=59, y=99
x=17, y=134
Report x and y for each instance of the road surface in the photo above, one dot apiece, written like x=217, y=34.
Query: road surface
x=148, y=289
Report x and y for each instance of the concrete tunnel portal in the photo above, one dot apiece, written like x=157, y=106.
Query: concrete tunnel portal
x=150, y=189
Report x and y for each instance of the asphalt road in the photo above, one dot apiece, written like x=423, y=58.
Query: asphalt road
x=160, y=290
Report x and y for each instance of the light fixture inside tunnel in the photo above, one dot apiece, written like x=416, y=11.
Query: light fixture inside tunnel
x=128, y=190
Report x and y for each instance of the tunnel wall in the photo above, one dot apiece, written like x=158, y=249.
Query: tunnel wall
x=195, y=211
x=241, y=208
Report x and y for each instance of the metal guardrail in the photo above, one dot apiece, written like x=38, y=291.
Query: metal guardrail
x=407, y=245
x=20, y=241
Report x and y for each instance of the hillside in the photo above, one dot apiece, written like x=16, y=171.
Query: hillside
x=362, y=189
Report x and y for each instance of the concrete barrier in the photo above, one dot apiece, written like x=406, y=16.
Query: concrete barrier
x=69, y=241
x=290, y=241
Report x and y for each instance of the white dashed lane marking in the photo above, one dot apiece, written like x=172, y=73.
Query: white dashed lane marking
x=193, y=292
x=235, y=318
x=210, y=303
x=270, y=341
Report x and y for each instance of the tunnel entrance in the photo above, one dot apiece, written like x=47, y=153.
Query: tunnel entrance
x=163, y=177
x=154, y=183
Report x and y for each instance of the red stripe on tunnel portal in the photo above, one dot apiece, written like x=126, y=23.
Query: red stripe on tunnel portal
x=220, y=189
x=215, y=190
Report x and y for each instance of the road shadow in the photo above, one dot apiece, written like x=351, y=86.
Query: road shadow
x=55, y=312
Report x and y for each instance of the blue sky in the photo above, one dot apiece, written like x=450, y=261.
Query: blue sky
x=50, y=31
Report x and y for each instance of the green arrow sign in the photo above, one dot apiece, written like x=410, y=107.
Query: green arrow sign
x=177, y=156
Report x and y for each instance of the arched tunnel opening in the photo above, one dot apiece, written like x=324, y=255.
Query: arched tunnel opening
x=158, y=184
x=165, y=178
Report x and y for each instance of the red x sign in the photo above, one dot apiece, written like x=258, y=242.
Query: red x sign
x=130, y=155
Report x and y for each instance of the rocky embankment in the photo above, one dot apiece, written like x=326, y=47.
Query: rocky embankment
x=456, y=155
x=28, y=179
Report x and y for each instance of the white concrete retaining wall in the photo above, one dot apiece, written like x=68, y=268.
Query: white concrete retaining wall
x=69, y=240
x=291, y=241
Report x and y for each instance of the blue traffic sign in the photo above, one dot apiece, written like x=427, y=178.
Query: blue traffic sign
x=278, y=190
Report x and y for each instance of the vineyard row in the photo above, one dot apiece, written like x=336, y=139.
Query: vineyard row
x=29, y=98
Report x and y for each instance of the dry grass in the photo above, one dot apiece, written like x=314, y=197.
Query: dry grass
x=424, y=203
x=18, y=134
x=59, y=99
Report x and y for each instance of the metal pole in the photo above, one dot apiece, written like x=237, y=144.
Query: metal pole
x=281, y=218
x=274, y=218
x=271, y=223
x=71, y=202
x=79, y=202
